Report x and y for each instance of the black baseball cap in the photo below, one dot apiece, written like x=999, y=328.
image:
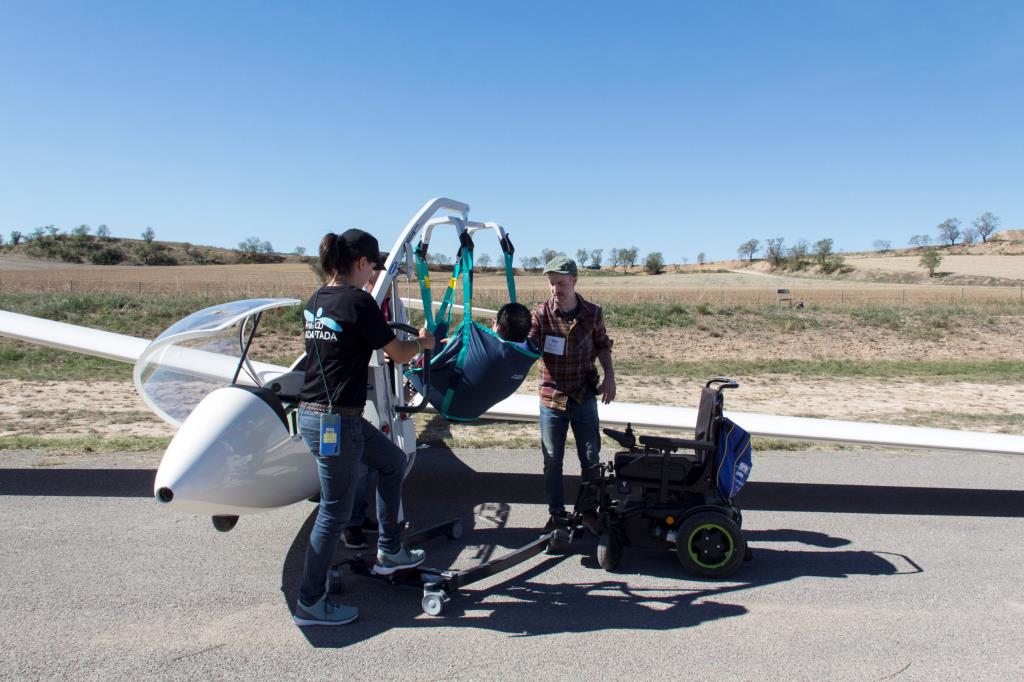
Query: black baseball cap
x=365, y=244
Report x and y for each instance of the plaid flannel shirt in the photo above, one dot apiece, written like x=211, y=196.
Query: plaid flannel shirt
x=571, y=375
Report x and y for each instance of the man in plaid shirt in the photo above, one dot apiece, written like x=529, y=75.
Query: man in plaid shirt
x=569, y=332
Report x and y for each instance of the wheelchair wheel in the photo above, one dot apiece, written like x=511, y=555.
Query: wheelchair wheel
x=709, y=544
x=609, y=551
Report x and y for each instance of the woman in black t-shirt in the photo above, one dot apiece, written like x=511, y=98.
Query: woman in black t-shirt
x=343, y=326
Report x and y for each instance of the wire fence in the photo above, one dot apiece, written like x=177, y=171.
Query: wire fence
x=301, y=286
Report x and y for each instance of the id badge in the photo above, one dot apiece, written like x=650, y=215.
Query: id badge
x=330, y=433
x=554, y=345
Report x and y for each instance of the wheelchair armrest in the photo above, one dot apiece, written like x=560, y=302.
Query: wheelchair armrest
x=625, y=439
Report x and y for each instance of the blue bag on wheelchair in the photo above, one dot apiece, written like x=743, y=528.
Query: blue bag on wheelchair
x=734, y=458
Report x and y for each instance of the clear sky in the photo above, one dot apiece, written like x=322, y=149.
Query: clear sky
x=678, y=126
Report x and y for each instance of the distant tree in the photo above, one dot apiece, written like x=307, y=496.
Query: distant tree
x=920, y=240
x=796, y=255
x=685, y=260
x=883, y=245
x=38, y=234
x=1, y=239
x=628, y=257
x=748, y=248
x=103, y=232
x=582, y=256
x=530, y=262
x=701, y=257
x=154, y=253
x=148, y=235
x=986, y=224
x=970, y=236
x=949, y=229
x=438, y=258
x=80, y=232
x=53, y=230
x=547, y=254
x=483, y=260
x=595, y=258
x=106, y=256
x=300, y=250
x=930, y=260
x=251, y=245
x=614, y=258
x=654, y=263
x=773, y=251
x=253, y=250
x=822, y=251
x=16, y=237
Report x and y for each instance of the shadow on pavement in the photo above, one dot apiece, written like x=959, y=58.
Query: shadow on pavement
x=524, y=605
x=78, y=482
x=443, y=474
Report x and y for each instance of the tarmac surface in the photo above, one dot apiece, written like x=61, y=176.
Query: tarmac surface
x=867, y=566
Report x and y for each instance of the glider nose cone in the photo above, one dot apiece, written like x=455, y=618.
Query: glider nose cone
x=234, y=455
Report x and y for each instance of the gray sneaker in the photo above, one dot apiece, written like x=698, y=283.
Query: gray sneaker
x=324, y=612
x=398, y=561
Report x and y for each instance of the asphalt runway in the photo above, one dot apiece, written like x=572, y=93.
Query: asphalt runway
x=867, y=566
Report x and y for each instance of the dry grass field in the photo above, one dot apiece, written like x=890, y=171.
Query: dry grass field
x=992, y=265
x=686, y=285
x=923, y=354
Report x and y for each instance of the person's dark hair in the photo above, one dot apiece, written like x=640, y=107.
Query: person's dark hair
x=514, y=321
x=338, y=256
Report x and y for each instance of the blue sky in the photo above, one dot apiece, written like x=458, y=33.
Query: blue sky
x=679, y=127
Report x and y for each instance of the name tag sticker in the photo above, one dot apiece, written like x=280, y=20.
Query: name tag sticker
x=330, y=429
x=554, y=345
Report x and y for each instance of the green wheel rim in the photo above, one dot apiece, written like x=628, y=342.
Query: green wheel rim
x=707, y=543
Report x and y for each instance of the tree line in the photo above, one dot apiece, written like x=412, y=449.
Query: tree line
x=81, y=244
x=799, y=256
x=822, y=253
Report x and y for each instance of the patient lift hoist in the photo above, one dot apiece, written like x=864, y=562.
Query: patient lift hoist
x=388, y=410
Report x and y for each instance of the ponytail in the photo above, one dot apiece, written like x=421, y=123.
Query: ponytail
x=336, y=258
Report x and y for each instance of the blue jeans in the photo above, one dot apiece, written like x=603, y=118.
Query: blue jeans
x=360, y=505
x=360, y=446
x=554, y=426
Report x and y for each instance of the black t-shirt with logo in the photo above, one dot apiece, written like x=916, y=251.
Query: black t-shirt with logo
x=346, y=326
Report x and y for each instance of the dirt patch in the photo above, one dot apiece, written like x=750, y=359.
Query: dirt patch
x=720, y=339
x=76, y=408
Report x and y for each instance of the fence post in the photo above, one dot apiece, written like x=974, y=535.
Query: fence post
x=140, y=288
x=71, y=286
x=721, y=296
x=841, y=297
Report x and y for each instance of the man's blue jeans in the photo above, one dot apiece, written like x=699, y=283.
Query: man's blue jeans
x=361, y=446
x=554, y=427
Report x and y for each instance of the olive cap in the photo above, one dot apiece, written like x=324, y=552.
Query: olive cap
x=561, y=265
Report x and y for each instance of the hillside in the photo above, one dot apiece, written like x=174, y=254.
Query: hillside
x=90, y=249
x=998, y=262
